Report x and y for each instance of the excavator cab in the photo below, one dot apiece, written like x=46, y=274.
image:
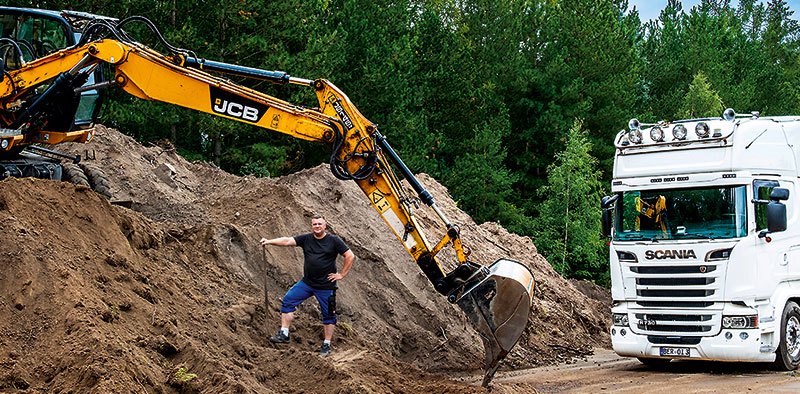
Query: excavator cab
x=28, y=34
x=53, y=92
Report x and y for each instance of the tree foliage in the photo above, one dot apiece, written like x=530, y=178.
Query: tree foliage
x=701, y=100
x=568, y=225
x=480, y=94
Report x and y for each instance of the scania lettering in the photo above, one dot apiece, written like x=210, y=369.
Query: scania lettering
x=705, y=240
x=669, y=254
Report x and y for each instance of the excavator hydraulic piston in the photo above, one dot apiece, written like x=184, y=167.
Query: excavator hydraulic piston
x=47, y=93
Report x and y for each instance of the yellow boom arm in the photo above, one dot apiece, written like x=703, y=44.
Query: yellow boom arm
x=496, y=298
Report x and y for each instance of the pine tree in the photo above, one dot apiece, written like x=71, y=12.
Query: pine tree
x=567, y=230
x=701, y=100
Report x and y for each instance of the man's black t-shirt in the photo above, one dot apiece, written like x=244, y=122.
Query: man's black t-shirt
x=320, y=258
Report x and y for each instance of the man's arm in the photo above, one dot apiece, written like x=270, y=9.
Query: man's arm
x=282, y=241
x=348, y=262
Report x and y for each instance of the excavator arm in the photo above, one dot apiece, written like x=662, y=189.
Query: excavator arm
x=496, y=298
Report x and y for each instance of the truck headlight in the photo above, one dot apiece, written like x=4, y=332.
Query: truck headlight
x=740, y=322
x=656, y=134
x=635, y=136
x=702, y=129
x=679, y=132
x=620, y=319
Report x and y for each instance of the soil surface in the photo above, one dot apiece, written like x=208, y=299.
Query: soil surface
x=605, y=372
x=168, y=289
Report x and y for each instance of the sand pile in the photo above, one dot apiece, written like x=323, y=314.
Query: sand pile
x=169, y=294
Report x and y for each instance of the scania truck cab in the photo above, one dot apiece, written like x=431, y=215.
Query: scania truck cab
x=705, y=240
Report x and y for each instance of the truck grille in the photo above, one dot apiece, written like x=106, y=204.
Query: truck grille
x=690, y=269
x=674, y=323
x=674, y=304
x=689, y=288
x=674, y=293
x=674, y=281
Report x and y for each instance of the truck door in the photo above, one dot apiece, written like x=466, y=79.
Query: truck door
x=782, y=253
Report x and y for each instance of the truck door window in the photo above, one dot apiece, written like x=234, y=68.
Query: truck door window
x=761, y=191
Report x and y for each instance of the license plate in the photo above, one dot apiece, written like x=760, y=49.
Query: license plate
x=675, y=351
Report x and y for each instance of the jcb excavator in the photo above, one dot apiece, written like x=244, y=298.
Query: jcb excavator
x=49, y=86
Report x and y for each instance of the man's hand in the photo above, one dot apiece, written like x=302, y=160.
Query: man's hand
x=335, y=276
x=264, y=242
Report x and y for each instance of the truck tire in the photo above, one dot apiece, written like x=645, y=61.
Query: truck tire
x=72, y=173
x=787, y=357
x=655, y=363
x=97, y=180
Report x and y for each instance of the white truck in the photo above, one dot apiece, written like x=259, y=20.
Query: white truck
x=704, y=222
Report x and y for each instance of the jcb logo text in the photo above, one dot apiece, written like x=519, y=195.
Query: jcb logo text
x=236, y=110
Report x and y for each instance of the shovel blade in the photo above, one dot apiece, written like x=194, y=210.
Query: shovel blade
x=497, y=306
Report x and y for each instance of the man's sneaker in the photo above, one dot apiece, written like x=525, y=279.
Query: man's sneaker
x=325, y=349
x=280, y=337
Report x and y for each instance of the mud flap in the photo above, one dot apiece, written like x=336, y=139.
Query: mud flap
x=497, y=301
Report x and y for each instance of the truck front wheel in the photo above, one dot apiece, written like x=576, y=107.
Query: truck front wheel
x=788, y=355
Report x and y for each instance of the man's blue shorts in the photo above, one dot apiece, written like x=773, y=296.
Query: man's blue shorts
x=301, y=292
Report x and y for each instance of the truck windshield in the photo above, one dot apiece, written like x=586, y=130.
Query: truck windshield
x=702, y=213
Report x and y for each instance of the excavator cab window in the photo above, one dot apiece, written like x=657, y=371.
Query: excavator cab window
x=38, y=34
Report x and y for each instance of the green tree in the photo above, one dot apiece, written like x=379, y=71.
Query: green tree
x=584, y=61
x=665, y=55
x=701, y=100
x=567, y=230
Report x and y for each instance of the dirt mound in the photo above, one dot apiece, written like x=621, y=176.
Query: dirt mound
x=170, y=295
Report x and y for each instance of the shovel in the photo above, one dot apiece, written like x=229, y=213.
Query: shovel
x=266, y=292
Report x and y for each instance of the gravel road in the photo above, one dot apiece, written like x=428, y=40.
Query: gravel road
x=605, y=372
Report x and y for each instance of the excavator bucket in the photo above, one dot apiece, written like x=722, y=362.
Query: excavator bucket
x=497, y=303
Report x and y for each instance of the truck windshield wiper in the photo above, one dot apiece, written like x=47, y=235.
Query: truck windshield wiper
x=697, y=235
x=638, y=238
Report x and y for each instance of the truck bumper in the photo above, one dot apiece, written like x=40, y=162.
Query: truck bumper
x=743, y=345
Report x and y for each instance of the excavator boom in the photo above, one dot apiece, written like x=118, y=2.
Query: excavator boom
x=496, y=298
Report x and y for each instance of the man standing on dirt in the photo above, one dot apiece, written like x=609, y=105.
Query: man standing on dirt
x=319, y=278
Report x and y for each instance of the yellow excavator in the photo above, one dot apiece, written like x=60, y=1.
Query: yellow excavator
x=50, y=82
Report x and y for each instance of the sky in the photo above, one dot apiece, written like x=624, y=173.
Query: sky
x=649, y=9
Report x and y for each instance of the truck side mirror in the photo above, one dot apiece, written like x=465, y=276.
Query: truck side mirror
x=776, y=211
x=606, y=201
x=606, y=220
x=776, y=217
x=779, y=194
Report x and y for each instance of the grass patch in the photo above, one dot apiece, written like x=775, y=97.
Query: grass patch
x=182, y=376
